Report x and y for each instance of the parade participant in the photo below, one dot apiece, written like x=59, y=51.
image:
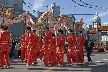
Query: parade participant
x=60, y=48
x=76, y=51
x=35, y=46
x=1, y=53
x=30, y=46
x=80, y=45
x=23, y=47
x=89, y=45
x=40, y=47
x=47, y=40
x=5, y=46
x=53, y=58
x=70, y=51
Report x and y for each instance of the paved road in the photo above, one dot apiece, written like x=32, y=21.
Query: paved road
x=99, y=64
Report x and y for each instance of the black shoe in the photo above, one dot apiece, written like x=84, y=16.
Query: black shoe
x=90, y=61
x=35, y=62
x=26, y=61
x=46, y=65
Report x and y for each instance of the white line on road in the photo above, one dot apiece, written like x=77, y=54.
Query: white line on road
x=105, y=59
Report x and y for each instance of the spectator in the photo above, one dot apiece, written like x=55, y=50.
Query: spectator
x=17, y=49
x=89, y=45
x=13, y=49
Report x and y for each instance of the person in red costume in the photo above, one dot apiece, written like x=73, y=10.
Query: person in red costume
x=53, y=51
x=1, y=58
x=35, y=46
x=30, y=46
x=48, y=48
x=5, y=46
x=41, y=49
x=27, y=50
x=80, y=46
x=60, y=47
x=71, y=42
x=23, y=47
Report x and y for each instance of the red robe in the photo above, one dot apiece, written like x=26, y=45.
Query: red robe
x=30, y=48
x=47, y=39
x=53, y=51
x=60, y=49
x=35, y=47
x=1, y=61
x=5, y=46
x=23, y=47
x=80, y=47
x=40, y=47
x=70, y=51
x=27, y=41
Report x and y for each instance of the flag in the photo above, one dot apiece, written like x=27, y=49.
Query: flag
x=24, y=2
x=81, y=21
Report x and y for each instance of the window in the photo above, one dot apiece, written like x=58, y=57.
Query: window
x=59, y=12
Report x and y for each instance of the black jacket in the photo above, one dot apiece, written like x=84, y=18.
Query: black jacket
x=89, y=45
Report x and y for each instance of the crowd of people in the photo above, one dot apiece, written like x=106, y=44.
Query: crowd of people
x=46, y=44
x=15, y=48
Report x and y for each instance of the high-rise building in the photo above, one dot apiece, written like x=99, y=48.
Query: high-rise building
x=12, y=2
x=54, y=9
x=71, y=19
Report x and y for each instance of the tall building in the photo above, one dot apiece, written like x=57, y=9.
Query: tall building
x=94, y=33
x=54, y=9
x=71, y=19
x=96, y=21
x=12, y=2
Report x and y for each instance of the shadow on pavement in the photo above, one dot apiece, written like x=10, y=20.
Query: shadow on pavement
x=92, y=67
x=36, y=69
x=17, y=64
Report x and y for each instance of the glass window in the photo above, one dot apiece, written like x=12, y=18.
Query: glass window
x=59, y=12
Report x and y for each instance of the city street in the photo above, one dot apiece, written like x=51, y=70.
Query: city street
x=99, y=64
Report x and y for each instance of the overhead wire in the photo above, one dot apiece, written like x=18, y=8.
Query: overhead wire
x=100, y=8
x=88, y=5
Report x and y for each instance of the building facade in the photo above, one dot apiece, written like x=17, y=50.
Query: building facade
x=12, y=2
x=71, y=19
x=54, y=9
x=97, y=31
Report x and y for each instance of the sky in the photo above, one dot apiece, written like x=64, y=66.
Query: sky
x=68, y=7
